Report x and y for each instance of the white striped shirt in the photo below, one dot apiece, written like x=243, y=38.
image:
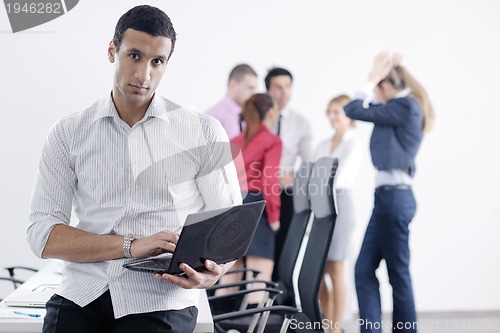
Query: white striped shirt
x=93, y=161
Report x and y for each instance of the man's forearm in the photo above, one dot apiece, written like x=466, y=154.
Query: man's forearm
x=71, y=244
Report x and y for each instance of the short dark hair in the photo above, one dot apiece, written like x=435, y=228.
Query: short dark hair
x=276, y=71
x=239, y=71
x=147, y=19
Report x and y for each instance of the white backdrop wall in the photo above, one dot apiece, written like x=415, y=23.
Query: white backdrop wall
x=452, y=47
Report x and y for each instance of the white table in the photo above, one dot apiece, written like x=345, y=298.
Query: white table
x=51, y=274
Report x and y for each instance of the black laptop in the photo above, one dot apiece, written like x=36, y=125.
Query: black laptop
x=221, y=235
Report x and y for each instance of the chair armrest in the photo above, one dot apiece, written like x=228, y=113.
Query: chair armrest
x=269, y=284
x=13, y=268
x=11, y=280
x=244, y=270
x=272, y=291
x=16, y=282
x=239, y=314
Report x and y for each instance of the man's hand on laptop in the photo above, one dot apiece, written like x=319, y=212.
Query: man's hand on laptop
x=156, y=244
x=199, y=280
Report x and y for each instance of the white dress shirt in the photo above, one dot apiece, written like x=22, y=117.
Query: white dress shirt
x=350, y=157
x=92, y=161
x=296, y=135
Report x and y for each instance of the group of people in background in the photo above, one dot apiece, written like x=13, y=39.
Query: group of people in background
x=273, y=137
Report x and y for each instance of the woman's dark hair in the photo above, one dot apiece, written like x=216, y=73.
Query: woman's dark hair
x=253, y=112
x=147, y=19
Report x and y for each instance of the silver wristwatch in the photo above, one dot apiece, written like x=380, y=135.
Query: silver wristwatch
x=127, y=245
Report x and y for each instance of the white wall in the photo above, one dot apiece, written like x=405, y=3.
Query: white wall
x=451, y=46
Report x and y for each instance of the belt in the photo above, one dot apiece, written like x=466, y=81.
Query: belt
x=394, y=187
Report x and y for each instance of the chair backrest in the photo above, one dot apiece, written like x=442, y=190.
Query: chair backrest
x=319, y=192
x=296, y=232
x=323, y=206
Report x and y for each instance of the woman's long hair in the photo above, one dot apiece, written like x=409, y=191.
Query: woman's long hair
x=400, y=78
x=253, y=112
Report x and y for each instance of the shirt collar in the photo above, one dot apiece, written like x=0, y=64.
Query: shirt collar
x=404, y=93
x=106, y=109
x=285, y=112
x=157, y=108
x=349, y=134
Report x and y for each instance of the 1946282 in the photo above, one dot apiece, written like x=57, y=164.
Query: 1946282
x=34, y=8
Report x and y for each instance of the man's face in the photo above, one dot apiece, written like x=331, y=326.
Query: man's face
x=243, y=90
x=280, y=89
x=139, y=66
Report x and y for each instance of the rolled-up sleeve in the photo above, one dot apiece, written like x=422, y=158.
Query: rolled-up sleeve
x=52, y=196
x=395, y=113
x=270, y=180
x=218, y=180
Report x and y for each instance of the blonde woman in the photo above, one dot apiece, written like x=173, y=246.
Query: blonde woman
x=404, y=114
x=344, y=146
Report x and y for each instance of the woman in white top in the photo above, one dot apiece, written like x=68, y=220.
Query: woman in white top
x=343, y=146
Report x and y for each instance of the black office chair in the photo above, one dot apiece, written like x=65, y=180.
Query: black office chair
x=16, y=282
x=289, y=255
x=12, y=270
x=323, y=204
x=308, y=317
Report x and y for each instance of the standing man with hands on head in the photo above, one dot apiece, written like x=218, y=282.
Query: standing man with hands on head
x=90, y=162
x=296, y=136
x=241, y=85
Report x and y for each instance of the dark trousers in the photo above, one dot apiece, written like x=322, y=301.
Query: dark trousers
x=386, y=238
x=286, y=213
x=64, y=316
